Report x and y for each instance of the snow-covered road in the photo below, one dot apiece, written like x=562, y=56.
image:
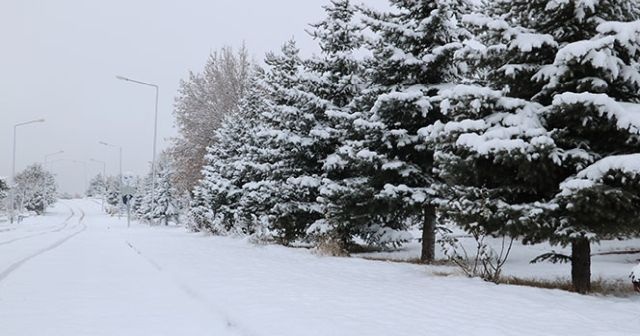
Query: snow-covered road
x=73, y=273
x=79, y=272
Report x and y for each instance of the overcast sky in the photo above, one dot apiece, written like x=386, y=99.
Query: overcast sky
x=59, y=60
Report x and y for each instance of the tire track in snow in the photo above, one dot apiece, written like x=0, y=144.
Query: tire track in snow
x=58, y=228
x=191, y=293
x=4, y=274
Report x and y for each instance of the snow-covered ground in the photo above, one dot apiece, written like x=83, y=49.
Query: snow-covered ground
x=79, y=272
x=605, y=265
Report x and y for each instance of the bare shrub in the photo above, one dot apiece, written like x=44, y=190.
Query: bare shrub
x=329, y=246
x=485, y=262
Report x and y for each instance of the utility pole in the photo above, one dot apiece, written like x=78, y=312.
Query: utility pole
x=155, y=133
x=13, y=169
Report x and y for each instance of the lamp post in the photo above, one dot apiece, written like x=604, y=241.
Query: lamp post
x=120, y=186
x=104, y=178
x=155, y=132
x=46, y=157
x=13, y=169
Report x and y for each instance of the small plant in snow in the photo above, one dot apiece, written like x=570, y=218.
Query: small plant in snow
x=635, y=278
x=330, y=246
x=486, y=263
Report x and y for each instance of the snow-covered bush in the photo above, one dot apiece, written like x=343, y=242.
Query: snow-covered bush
x=635, y=278
x=4, y=192
x=35, y=189
x=97, y=186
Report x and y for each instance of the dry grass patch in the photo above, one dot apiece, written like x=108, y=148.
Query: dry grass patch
x=617, y=288
x=331, y=247
x=415, y=261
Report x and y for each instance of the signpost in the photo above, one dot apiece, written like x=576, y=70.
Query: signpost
x=127, y=195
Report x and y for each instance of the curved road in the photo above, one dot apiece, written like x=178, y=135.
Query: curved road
x=79, y=276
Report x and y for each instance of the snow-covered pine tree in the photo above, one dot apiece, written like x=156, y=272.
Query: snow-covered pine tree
x=255, y=160
x=593, y=87
x=557, y=68
x=138, y=202
x=4, y=191
x=113, y=190
x=331, y=81
x=412, y=62
x=211, y=194
x=224, y=200
x=97, y=186
x=288, y=144
x=163, y=208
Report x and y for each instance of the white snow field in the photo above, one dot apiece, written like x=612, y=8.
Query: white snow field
x=76, y=271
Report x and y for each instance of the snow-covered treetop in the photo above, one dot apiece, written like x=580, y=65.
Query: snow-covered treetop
x=418, y=38
x=565, y=20
x=608, y=63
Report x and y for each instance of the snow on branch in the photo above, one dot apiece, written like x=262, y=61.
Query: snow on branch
x=626, y=34
x=627, y=115
x=594, y=174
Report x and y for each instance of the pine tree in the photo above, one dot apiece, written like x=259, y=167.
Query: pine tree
x=4, y=188
x=224, y=201
x=549, y=111
x=97, y=186
x=164, y=207
x=412, y=61
x=329, y=84
x=113, y=190
x=161, y=205
x=288, y=146
x=594, y=88
x=138, y=203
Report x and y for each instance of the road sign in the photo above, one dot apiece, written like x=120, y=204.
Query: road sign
x=126, y=198
x=128, y=190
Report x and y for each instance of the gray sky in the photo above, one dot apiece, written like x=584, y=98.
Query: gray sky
x=59, y=59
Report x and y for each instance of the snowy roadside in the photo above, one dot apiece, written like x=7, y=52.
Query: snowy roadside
x=273, y=290
x=613, y=267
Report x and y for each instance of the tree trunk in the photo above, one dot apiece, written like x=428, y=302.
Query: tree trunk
x=581, y=265
x=428, y=234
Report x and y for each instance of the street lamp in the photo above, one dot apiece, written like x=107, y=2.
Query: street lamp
x=13, y=169
x=155, y=132
x=120, y=153
x=104, y=178
x=46, y=157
